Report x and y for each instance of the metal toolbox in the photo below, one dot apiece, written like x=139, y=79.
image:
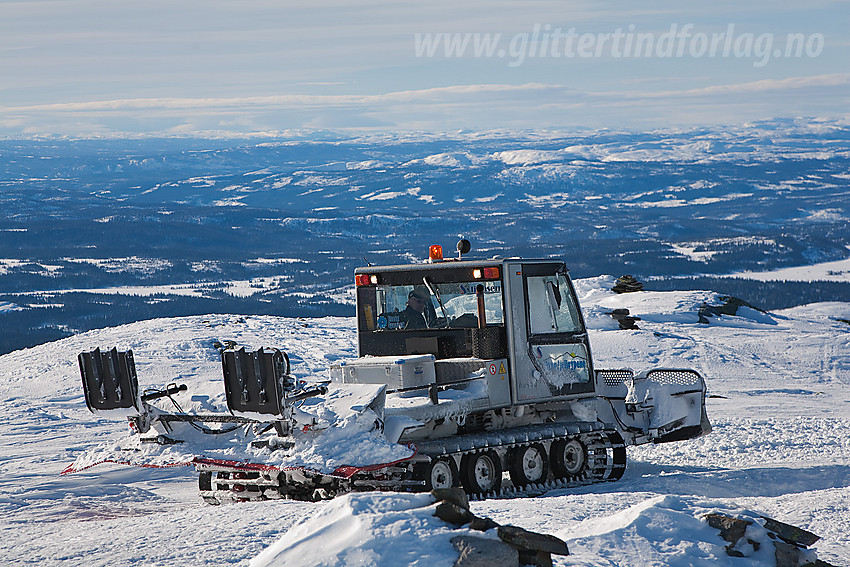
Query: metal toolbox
x=397, y=372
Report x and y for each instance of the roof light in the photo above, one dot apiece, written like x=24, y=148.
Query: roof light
x=435, y=252
x=365, y=279
x=486, y=273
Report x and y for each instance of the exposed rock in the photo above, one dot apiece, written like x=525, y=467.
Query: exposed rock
x=731, y=529
x=453, y=495
x=453, y=514
x=221, y=347
x=482, y=524
x=790, y=542
x=535, y=558
x=789, y=533
x=729, y=306
x=527, y=548
x=525, y=539
x=787, y=555
x=627, y=284
x=625, y=320
x=483, y=552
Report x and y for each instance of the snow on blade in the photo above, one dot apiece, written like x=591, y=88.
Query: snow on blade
x=348, y=438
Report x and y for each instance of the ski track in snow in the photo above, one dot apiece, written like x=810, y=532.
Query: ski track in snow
x=780, y=408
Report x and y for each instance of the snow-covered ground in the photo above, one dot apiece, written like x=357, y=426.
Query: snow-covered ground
x=236, y=288
x=838, y=271
x=6, y=306
x=779, y=403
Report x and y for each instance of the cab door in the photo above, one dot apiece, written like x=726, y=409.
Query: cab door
x=550, y=349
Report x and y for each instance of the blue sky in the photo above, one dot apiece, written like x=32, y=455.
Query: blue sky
x=111, y=67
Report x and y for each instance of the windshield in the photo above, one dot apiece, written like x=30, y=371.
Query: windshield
x=406, y=307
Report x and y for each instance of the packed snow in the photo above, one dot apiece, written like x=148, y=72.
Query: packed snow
x=778, y=402
x=235, y=288
x=838, y=271
x=368, y=529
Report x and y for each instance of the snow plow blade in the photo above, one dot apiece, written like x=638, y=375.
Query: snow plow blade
x=658, y=406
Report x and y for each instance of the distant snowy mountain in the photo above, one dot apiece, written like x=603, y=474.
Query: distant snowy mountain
x=779, y=399
x=198, y=224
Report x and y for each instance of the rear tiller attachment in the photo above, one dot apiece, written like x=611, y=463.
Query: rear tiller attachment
x=258, y=386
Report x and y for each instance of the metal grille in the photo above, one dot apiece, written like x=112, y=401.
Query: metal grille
x=614, y=378
x=674, y=377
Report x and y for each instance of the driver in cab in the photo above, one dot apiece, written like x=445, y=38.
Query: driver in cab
x=413, y=316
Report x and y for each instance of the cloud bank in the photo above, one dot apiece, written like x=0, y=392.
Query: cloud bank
x=88, y=68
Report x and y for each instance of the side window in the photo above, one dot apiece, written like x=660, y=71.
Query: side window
x=550, y=305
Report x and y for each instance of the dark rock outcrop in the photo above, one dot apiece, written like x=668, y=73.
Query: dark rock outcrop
x=453, y=514
x=729, y=306
x=525, y=547
x=627, y=284
x=625, y=320
x=790, y=542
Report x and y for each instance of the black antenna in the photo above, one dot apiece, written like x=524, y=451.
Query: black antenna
x=368, y=263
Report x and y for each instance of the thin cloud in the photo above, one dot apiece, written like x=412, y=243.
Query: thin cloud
x=280, y=100
x=763, y=85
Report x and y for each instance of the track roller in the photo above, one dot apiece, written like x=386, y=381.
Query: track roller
x=528, y=464
x=439, y=473
x=569, y=459
x=481, y=473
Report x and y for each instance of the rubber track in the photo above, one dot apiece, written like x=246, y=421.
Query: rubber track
x=605, y=450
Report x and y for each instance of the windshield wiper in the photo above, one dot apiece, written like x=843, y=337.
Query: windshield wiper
x=436, y=294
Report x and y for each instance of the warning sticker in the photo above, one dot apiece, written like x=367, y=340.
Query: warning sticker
x=497, y=367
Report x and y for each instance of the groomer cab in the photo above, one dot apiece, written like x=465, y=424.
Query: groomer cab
x=516, y=318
